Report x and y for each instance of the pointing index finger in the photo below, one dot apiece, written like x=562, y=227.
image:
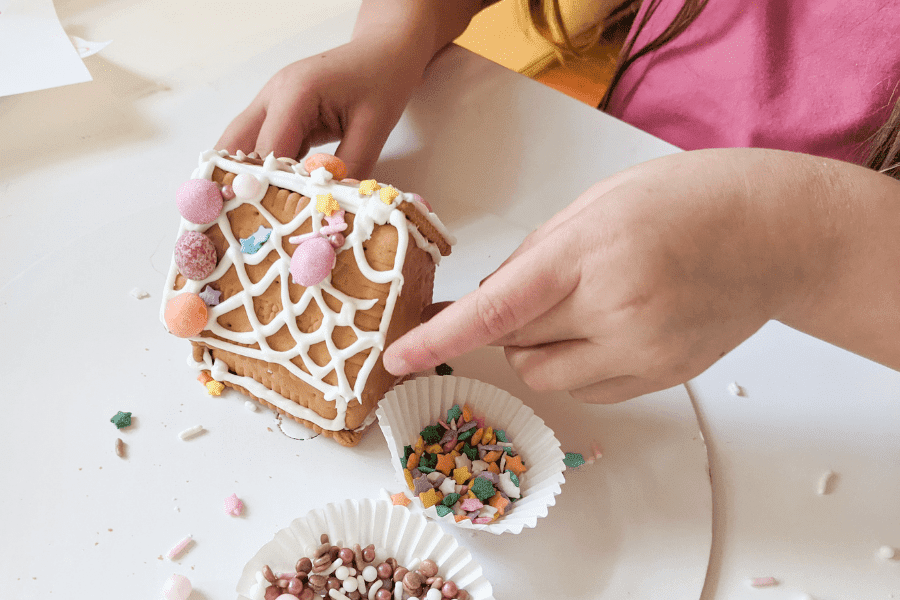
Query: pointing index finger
x=513, y=296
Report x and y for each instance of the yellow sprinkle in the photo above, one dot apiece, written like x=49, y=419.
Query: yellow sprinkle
x=214, y=387
x=326, y=204
x=434, y=449
x=461, y=475
x=367, y=187
x=388, y=194
x=430, y=498
x=409, y=479
x=419, y=448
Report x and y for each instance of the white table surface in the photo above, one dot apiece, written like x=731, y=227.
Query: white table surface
x=85, y=209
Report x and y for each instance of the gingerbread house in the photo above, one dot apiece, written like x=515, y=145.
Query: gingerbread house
x=290, y=281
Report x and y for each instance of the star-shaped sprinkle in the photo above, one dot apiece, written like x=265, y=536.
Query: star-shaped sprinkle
x=214, y=388
x=388, y=194
x=400, y=499
x=249, y=245
x=121, y=419
x=234, y=506
x=368, y=186
x=514, y=464
x=321, y=176
x=326, y=204
x=211, y=296
x=261, y=236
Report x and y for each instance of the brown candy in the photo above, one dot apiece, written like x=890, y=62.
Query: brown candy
x=295, y=586
x=400, y=573
x=307, y=594
x=412, y=583
x=317, y=582
x=385, y=571
x=346, y=555
x=272, y=592
x=322, y=550
x=304, y=565
x=333, y=583
x=449, y=590
x=428, y=568
x=268, y=574
x=383, y=594
x=368, y=553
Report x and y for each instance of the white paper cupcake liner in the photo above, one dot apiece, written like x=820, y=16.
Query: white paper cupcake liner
x=394, y=530
x=410, y=407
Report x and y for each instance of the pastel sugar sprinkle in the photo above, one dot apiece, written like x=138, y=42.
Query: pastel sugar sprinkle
x=121, y=419
x=388, y=194
x=326, y=204
x=573, y=459
x=179, y=548
x=400, y=499
x=368, y=186
x=234, y=506
x=214, y=388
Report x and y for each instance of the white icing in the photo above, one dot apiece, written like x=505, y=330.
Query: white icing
x=368, y=211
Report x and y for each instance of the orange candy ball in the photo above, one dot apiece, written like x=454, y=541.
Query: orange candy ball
x=332, y=164
x=186, y=315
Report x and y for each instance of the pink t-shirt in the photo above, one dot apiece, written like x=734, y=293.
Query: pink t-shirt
x=812, y=76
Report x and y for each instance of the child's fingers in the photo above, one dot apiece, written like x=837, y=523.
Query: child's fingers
x=515, y=295
x=243, y=130
x=564, y=365
x=361, y=144
x=616, y=389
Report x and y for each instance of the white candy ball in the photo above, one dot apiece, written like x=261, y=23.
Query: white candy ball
x=177, y=587
x=370, y=573
x=246, y=186
x=351, y=584
x=342, y=572
x=434, y=594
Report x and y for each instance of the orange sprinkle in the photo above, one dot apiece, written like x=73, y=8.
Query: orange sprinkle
x=514, y=464
x=494, y=468
x=499, y=502
x=400, y=499
x=445, y=464
x=467, y=413
x=476, y=439
x=459, y=518
x=204, y=377
x=413, y=461
x=459, y=448
x=492, y=456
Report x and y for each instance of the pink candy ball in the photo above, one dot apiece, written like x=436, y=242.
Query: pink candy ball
x=312, y=261
x=195, y=255
x=199, y=201
x=177, y=587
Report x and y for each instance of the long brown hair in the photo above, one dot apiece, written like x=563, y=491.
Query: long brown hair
x=546, y=16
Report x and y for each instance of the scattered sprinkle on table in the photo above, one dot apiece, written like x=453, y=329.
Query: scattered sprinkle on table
x=573, y=460
x=734, y=389
x=250, y=405
x=139, y=293
x=177, y=587
x=443, y=369
x=191, y=432
x=179, y=548
x=234, y=506
x=824, y=485
x=759, y=582
x=120, y=448
x=887, y=552
x=121, y=419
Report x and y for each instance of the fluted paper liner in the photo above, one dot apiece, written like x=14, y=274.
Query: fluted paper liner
x=394, y=530
x=410, y=407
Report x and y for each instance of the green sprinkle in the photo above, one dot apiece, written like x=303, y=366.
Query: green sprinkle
x=501, y=435
x=121, y=419
x=573, y=459
x=514, y=478
x=454, y=413
x=423, y=469
x=442, y=510
x=470, y=451
x=465, y=434
x=482, y=488
x=443, y=369
x=451, y=499
x=429, y=460
x=432, y=434
x=508, y=450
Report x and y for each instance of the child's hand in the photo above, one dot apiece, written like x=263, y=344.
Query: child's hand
x=647, y=279
x=354, y=93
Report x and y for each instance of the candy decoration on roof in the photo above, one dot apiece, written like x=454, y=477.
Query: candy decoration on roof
x=186, y=315
x=314, y=258
x=246, y=186
x=199, y=201
x=211, y=296
x=195, y=255
x=329, y=162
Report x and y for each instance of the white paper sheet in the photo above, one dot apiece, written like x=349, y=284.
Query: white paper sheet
x=35, y=53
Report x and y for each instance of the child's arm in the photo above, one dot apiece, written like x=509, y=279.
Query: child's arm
x=654, y=274
x=355, y=92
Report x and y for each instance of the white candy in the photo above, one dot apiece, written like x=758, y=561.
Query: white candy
x=177, y=587
x=374, y=589
x=246, y=186
x=342, y=573
x=825, y=483
x=734, y=389
x=250, y=405
x=448, y=486
x=191, y=432
x=139, y=293
x=350, y=584
x=434, y=594
x=370, y=573
x=886, y=552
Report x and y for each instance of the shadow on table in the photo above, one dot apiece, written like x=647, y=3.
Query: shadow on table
x=76, y=119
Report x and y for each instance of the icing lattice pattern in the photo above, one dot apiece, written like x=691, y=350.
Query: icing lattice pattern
x=368, y=212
